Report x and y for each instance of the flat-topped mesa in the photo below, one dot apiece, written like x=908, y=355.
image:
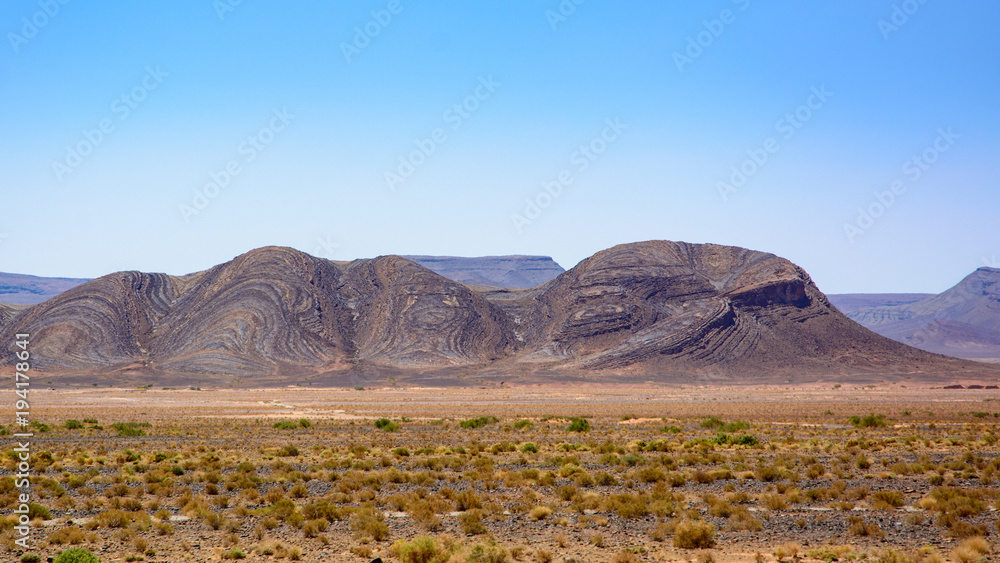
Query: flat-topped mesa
x=511, y=272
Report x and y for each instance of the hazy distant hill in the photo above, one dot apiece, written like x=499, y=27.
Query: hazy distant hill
x=20, y=289
x=963, y=321
x=656, y=310
x=848, y=302
x=512, y=272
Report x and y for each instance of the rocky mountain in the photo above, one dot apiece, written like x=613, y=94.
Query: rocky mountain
x=662, y=307
x=653, y=310
x=963, y=321
x=510, y=272
x=264, y=311
x=7, y=312
x=849, y=302
x=20, y=289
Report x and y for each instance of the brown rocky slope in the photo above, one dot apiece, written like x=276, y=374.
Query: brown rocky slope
x=267, y=311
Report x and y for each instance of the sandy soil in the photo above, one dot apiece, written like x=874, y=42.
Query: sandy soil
x=809, y=479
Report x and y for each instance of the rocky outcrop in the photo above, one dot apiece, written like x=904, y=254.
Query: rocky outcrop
x=104, y=324
x=264, y=311
x=663, y=305
x=407, y=315
x=656, y=308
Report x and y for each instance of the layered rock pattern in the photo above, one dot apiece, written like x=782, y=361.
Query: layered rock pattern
x=654, y=308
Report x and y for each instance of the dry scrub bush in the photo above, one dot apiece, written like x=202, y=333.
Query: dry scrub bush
x=662, y=530
x=742, y=521
x=488, y=552
x=694, y=534
x=788, y=549
x=971, y=550
x=73, y=535
x=626, y=556
x=887, y=500
x=540, y=513
x=369, y=523
x=859, y=527
x=627, y=505
x=472, y=522
x=422, y=549
x=423, y=515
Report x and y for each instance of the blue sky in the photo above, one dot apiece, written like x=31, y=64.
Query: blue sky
x=171, y=136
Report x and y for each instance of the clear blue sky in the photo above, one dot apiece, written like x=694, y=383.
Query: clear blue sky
x=330, y=112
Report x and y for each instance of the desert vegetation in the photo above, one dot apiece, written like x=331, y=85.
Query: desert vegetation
x=706, y=481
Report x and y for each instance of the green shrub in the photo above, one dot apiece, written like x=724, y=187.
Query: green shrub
x=234, y=553
x=285, y=425
x=870, y=421
x=304, y=423
x=479, y=422
x=73, y=424
x=724, y=439
x=719, y=424
x=131, y=428
x=40, y=426
x=386, y=425
x=529, y=448
x=487, y=553
x=76, y=555
x=36, y=510
x=502, y=447
x=578, y=424
x=521, y=424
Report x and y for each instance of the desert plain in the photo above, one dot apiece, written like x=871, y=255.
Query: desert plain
x=895, y=472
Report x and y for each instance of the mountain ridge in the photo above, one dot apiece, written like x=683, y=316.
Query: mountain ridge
x=24, y=289
x=962, y=321
x=658, y=309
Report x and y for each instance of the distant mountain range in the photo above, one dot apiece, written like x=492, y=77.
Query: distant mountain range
x=850, y=302
x=20, y=289
x=963, y=321
x=649, y=311
x=510, y=272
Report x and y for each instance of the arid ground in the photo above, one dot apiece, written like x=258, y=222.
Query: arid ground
x=887, y=472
